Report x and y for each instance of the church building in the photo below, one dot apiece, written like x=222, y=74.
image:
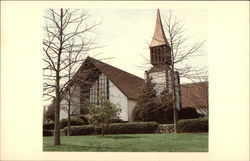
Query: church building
x=95, y=79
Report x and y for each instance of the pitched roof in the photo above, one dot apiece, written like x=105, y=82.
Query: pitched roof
x=129, y=84
x=194, y=95
x=159, y=37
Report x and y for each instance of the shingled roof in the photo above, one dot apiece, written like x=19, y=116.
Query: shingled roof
x=194, y=95
x=129, y=84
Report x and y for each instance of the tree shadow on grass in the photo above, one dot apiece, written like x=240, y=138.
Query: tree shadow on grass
x=91, y=148
x=122, y=137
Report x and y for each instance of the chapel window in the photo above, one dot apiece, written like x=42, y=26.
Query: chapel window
x=99, y=89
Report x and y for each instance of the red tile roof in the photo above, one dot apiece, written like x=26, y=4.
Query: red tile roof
x=194, y=95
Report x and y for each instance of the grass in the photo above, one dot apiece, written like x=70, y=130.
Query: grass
x=183, y=142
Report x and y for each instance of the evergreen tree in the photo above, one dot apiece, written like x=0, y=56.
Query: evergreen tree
x=50, y=113
x=151, y=107
x=166, y=111
x=147, y=103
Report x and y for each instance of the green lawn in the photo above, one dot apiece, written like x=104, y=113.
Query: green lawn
x=183, y=142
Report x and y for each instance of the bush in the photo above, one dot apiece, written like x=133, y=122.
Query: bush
x=48, y=126
x=169, y=116
x=47, y=132
x=166, y=128
x=80, y=130
x=188, y=125
x=193, y=125
x=118, y=121
x=102, y=115
x=184, y=113
x=84, y=109
x=116, y=128
x=74, y=121
x=84, y=119
x=188, y=113
x=133, y=128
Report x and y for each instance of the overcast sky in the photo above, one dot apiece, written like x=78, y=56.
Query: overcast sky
x=227, y=27
x=126, y=34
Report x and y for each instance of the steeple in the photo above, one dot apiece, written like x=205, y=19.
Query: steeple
x=160, y=52
x=159, y=37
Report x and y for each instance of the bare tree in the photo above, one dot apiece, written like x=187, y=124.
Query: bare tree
x=71, y=70
x=179, y=53
x=65, y=32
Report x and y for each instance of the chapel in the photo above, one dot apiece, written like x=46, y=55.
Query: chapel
x=95, y=79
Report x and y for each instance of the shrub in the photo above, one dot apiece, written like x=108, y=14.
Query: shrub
x=80, y=130
x=166, y=128
x=84, y=119
x=50, y=113
x=48, y=126
x=84, y=110
x=188, y=113
x=74, y=121
x=101, y=115
x=188, y=125
x=193, y=125
x=133, y=128
x=118, y=121
x=47, y=132
x=169, y=116
x=116, y=128
x=184, y=113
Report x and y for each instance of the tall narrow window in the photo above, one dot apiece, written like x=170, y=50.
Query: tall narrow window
x=99, y=89
x=98, y=92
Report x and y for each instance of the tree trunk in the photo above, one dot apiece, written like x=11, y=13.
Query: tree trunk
x=103, y=130
x=58, y=99
x=174, y=104
x=69, y=100
x=175, y=112
x=175, y=119
x=69, y=132
x=57, y=110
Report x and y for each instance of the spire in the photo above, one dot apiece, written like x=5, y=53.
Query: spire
x=159, y=37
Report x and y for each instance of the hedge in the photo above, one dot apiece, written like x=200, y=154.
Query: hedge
x=118, y=121
x=74, y=121
x=184, y=113
x=48, y=126
x=166, y=128
x=188, y=113
x=133, y=128
x=188, y=125
x=116, y=128
x=193, y=125
x=64, y=122
x=47, y=132
x=80, y=130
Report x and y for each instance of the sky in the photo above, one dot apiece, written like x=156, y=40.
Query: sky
x=125, y=34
